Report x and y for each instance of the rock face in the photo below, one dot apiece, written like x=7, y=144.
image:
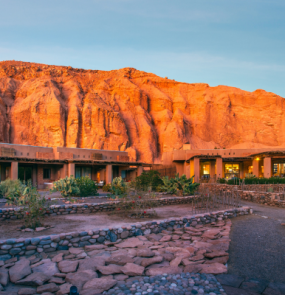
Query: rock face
x=131, y=110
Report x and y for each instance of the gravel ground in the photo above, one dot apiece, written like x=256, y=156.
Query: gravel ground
x=257, y=248
x=185, y=283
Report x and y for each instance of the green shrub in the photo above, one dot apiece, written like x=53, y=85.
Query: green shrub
x=35, y=205
x=221, y=180
x=118, y=188
x=148, y=180
x=87, y=186
x=66, y=186
x=181, y=185
x=255, y=180
x=12, y=188
x=107, y=188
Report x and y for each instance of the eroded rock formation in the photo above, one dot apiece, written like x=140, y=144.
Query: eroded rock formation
x=131, y=110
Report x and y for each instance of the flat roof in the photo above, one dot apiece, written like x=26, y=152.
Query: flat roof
x=64, y=147
x=62, y=161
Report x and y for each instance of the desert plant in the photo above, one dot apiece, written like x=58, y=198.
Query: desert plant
x=168, y=185
x=138, y=204
x=66, y=186
x=87, y=186
x=35, y=205
x=148, y=180
x=183, y=185
x=106, y=188
x=12, y=188
x=118, y=188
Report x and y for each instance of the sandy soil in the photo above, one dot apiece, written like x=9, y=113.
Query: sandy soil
x=85, y=222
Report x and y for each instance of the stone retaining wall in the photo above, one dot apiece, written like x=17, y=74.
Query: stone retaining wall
x=29, y=246
x=254, y=193
x=215, y=187
x=54, y=210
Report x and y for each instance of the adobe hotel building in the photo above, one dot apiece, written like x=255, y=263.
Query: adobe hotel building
x=209, y=165
x=44, y=165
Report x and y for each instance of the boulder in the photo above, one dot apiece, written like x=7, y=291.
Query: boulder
x=193, y=268
x=79, y=278
x=163, y=270
x=20, y=270
x=145, y=253
x=99, y=285
x=57, y=258
x=148, y=261
x=109, y=269
x=49, y=268
x=119, y=259
x=130, y=243
x=214, y=268
x=91, y=263
x=34, y=279
x=67, y=266
x=132, y=269
x=47, y=288
x=27, y=291
x=4, y=277
x=223, y=260
x=176, y=261
x=165, y=238
x=216, y=254
x=64, y=289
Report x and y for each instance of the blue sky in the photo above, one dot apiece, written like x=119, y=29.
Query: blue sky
x=219, y=42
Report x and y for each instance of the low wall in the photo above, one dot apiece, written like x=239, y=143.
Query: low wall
x=257, y=193
x=18, y=213
x=30, y=246
x=215, y=187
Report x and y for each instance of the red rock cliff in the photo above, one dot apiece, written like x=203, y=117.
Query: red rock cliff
x=131, y=110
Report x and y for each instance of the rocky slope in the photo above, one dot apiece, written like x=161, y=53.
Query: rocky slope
x=131, y=110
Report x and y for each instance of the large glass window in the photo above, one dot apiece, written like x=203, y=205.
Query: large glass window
x=231, y=170
x=206, y=169
x=82, y=171
x=279, y=169
x=25, y=173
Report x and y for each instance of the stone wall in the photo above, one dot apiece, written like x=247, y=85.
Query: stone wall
x=18, y=213
x=267, y=194
x=29, y=246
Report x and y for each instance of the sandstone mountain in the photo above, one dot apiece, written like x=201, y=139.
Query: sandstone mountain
x=131, y=110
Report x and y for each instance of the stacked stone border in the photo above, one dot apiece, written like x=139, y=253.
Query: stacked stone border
x=86, y=208
x=108, y=236
x=257, y=193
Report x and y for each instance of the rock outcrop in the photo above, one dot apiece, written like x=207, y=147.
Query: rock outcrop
x=131, y=110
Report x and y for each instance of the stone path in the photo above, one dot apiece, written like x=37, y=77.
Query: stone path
x=236, y=285
x=177, y=260
x=257, y=247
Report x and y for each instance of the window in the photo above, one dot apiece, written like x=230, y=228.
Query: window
x=47, y=173
x=82, y=171
x=231, y=170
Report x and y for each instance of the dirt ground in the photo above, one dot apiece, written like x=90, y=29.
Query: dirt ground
x=85, y=222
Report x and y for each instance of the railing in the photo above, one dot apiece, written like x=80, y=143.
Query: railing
x=206, y=202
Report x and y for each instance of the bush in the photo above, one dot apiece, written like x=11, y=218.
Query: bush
x=255, y=180
x=118, y=188
x=107, y=188
x=221, y=180
x=66, y=186
x=12, y=188
x=181, y=185
x=35, y=206
x=87, y=186
x=148, y=180
x=136, y=205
